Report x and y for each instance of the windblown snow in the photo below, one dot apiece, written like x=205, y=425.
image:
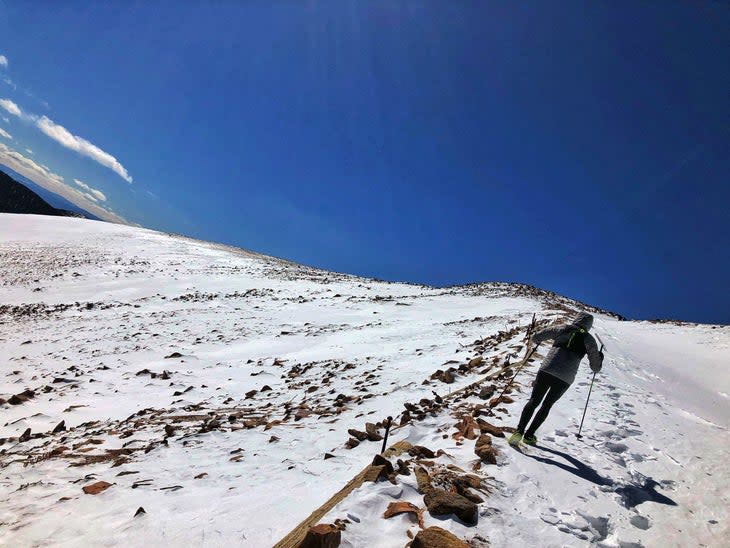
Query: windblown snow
x=224, y=392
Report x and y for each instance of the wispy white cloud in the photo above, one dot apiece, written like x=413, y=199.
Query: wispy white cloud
x=11, y=107
x=61, y=135
x=3, y=61
x=98, y=194
x=65, y=138
x=5, y=134
x=5, y=119
x=29, y=151
x=54, y=182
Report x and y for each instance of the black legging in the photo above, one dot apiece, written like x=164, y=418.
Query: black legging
x=545, y=383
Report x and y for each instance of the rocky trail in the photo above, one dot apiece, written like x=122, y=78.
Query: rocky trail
x=159, y=390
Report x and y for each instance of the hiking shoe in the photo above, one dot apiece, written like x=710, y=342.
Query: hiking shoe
x=529, y=440
x=515, y=439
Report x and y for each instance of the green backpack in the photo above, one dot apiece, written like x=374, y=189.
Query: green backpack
x=575, y=342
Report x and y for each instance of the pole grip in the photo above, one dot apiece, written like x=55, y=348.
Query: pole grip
x=388, y=422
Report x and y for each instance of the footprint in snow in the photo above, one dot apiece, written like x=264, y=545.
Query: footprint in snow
x=616, y=447
x=640, y=522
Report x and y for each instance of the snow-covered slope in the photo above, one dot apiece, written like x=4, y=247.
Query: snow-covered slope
x=206, y=384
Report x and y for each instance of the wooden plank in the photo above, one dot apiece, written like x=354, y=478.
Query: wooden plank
x=296, y=536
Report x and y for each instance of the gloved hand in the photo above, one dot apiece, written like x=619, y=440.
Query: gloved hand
x=600, y=363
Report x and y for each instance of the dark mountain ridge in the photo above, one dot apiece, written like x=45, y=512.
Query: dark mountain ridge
x=51, y=198
x=17, y=198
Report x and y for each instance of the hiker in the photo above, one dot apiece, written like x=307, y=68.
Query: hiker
x=556, y=374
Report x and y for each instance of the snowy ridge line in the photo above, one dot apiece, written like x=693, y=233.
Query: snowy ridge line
x=521, y=288
x=554, y=300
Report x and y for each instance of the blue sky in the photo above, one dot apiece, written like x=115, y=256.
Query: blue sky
x=581, y=147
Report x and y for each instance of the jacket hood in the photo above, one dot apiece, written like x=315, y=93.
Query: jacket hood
x=583, y=320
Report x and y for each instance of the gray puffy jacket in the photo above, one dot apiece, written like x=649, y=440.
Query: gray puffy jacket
x=562, y=362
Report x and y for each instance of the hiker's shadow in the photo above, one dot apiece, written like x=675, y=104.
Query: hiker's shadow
x=631, y=494
x=581, y=470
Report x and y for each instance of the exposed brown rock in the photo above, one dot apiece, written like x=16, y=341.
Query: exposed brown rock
x=351, y=443
x=421, y=452
x=323, y=535
x=487, y=392
x=436, y=537
x=403, y=507
x=488, y=428
x=253, y=423
x=372, y=432
x=25, y=436
x=60, y=427
x=302, y=412
x=476, y=362
x=341, y=524
x=485, y=450
x=380, y=460
x=501, y=399
x=423, y=480
x=96, y=488
x=357, y=434
x=463, y=487
x=472, y=480
x=402, y=468
x=467, y=427
x=444, y=376
x=24, y=396
x=405, y=417
x=441, y=503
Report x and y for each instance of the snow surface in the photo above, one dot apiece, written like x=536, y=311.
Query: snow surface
x=92, y=305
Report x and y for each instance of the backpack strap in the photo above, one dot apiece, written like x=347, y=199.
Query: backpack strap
x=569, y=342
x=572, y=336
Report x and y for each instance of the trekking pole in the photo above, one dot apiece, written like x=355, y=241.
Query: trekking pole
x=578, y=435
x=388, y=421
